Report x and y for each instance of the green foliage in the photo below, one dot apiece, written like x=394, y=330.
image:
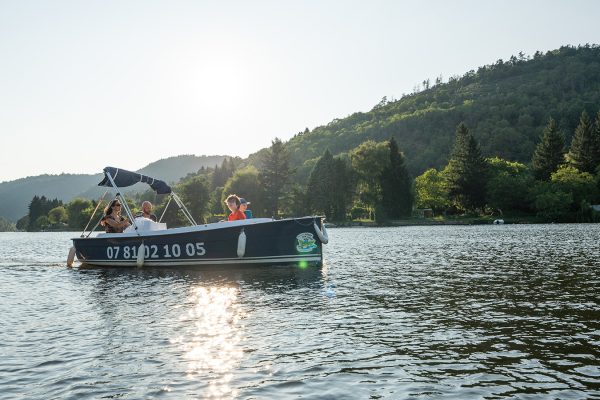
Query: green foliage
x=581, y=185
x=508, y=186
x=396, y=186
x=275, y=175
x=505, y=104
x=7, y=226
x=42, y=222
x=584, y=153
x=23, y=223
x=215, y=202
x=39, y=207
x=549, y=153
x=369, y=160
x=466, y=171
x=79, y=211
x=431, y=191
x=297, y=202
x=221, y=175
x=552, y=205
x=194, y=194
x=330, y=187
x=58, y=215
x=246, y=183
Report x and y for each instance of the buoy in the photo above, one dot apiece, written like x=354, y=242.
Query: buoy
x=241, y=250
x=71, y=257
x=140, y=255
x=322, y=234
x=498, y=221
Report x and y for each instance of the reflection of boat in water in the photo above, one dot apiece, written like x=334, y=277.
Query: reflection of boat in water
x=252, y=241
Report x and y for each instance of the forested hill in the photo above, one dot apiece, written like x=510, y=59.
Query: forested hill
x=16, y=195
x=505, y=105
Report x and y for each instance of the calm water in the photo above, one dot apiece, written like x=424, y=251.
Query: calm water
x=415, y=312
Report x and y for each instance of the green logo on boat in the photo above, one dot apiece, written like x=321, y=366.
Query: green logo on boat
x=305, y=242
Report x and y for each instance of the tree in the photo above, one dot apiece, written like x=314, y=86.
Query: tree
x=215, y=202
x=581, y=185
x=220, y=175
x=57, y=215
x=549, y=153
x=466, y=171
x=42, y=222
x=369, y=160
x=38, y=207
x=583, y=154
x=508, y=185
x=431, y=191
x=246, y=183
x=6, y=226
x=194, y=194
x=597, y=142
x=329, y=188
x=396, y=186
x=23, y=223
x=79, y=211
x=275, y=175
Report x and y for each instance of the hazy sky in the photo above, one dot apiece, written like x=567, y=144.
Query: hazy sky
x=85, y=84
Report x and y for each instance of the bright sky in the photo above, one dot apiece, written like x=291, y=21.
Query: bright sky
x=85, y=84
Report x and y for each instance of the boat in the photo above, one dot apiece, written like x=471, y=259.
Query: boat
x=260, y=241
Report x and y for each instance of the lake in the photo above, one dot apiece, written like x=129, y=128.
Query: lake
x=451, y=312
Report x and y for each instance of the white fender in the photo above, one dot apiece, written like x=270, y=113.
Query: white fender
x=322, y=234
x=241, y=250
x=71, y=257
x=140, y=256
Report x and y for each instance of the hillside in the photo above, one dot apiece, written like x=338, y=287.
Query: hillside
x=16, y=195
x=505, y=105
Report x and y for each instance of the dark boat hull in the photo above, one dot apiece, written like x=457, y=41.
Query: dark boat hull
x=288, y=241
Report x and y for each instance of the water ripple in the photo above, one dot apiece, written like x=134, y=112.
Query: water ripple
x=448, y=312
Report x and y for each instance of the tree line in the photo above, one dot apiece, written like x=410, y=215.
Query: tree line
x=372, y=182
x=559, y=185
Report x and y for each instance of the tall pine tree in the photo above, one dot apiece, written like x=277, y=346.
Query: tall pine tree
x=549, y=153
x=275, y=175
x=396, y=186
x=583, y=154
x=466, y=172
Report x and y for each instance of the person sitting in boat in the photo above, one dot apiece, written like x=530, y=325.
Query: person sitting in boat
x=146, y=211
x=112, y=221
x=233, y=203
x=244, y=208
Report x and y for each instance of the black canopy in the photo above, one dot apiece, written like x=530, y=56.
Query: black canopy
x=123, y=178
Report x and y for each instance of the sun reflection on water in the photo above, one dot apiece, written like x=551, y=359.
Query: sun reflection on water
x=212, y=343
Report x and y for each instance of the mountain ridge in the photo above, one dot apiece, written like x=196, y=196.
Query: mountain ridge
x=15, y=195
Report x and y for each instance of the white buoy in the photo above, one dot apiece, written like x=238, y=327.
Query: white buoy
x=241, y=249
x=140, y=256
x=71, y=257
x=321, y=234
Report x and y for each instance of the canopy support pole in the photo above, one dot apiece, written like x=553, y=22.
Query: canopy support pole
x=94, y=213
x=123, y=202
x=183, y=208
x=165, y=210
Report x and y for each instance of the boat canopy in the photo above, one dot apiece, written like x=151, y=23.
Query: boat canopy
x=123, y=178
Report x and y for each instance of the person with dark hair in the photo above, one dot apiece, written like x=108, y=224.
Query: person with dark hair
x=244, y=208
x=233, y=203
x=112, y=221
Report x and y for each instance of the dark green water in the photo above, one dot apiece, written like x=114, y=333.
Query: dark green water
x=479, y=312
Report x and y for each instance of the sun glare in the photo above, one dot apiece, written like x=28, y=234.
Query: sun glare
x=212, y=343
